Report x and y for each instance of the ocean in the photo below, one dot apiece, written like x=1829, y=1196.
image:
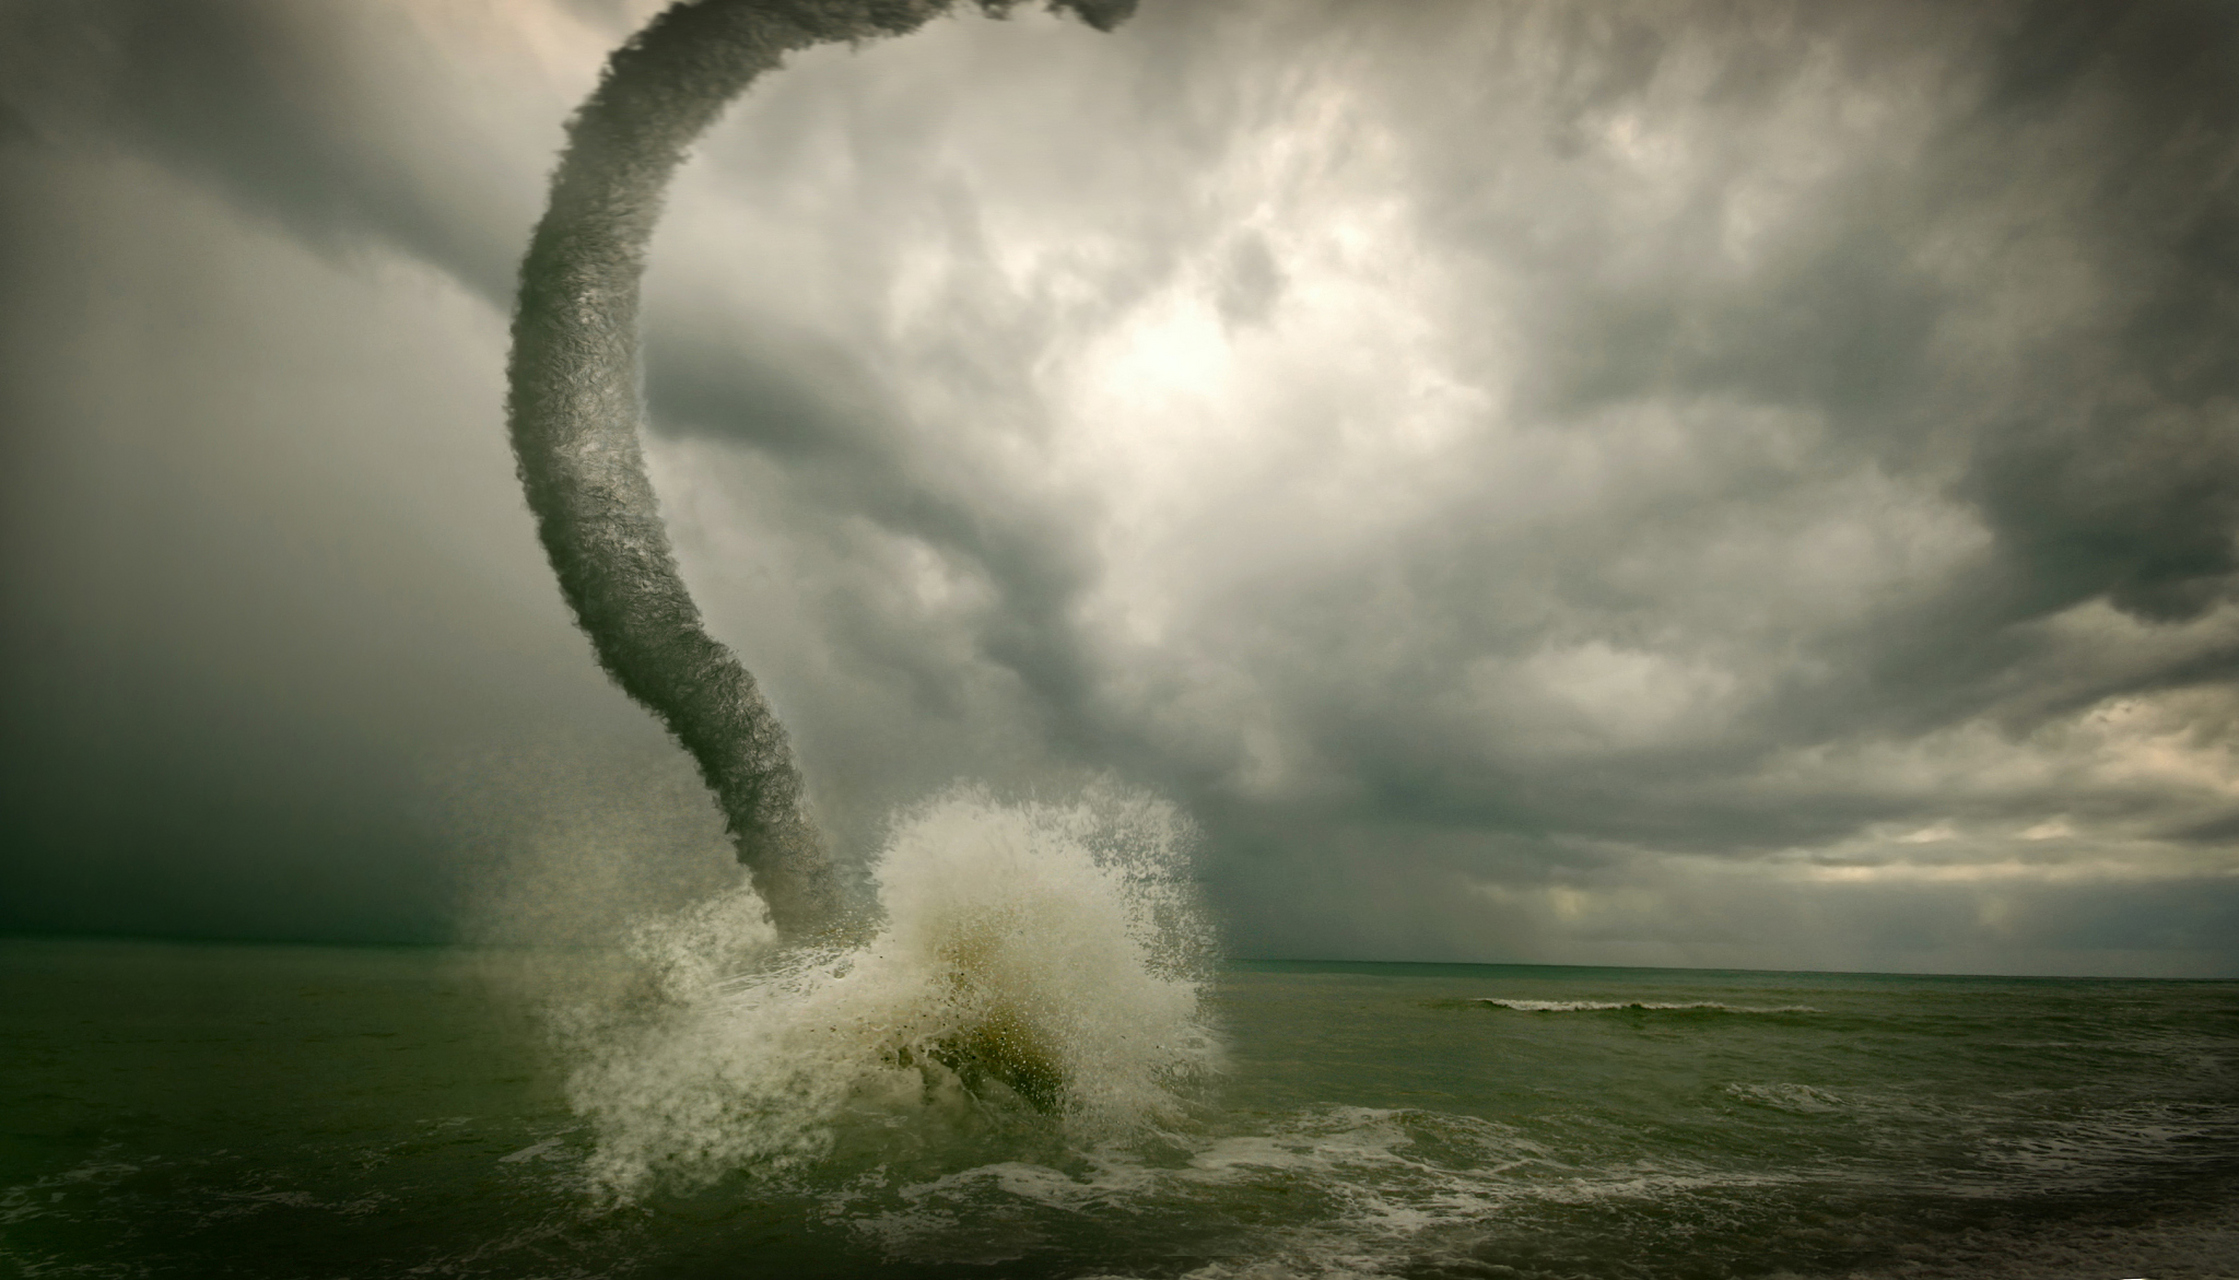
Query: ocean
x=208, y=1110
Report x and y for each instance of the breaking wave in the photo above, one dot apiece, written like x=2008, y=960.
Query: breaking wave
x=1600, y=1006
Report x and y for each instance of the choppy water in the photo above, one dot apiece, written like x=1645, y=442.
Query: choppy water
x=325, y=1112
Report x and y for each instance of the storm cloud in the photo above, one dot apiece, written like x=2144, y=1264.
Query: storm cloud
x=1723, y=484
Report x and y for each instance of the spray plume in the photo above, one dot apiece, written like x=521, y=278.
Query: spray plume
x=575, y=399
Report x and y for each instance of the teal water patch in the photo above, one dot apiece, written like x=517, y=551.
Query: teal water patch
x=311, y=1112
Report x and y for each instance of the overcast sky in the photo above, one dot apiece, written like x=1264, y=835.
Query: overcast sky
x=1716, y=484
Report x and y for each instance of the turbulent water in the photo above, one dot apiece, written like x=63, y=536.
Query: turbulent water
x=687, y=1108
x=1038, y=960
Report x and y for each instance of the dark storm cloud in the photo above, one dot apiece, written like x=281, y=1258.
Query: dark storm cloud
x=343, y=123
x=2095, y=470
x=2110, y=484
x=2092, y=471
x=1728, y=484
x=263, y=563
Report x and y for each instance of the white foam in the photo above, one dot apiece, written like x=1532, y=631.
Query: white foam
x=1060, y=940
x=1591, y=1006
x=1803, y=1099
x=549, y=1149
x=1367, y=1192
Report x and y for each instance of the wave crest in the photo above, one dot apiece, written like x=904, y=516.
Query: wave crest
x=1598, y=1006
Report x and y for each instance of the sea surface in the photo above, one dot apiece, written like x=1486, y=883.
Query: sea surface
x=309, y=1112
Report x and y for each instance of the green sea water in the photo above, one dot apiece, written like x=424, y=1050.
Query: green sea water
x=264, y=1111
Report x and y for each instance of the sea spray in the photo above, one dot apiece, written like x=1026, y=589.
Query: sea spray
x=1046, y=956
x=1034, y=964
x=574, y=401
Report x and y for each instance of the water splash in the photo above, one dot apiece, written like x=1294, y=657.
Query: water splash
x=574, y=402
x=1037, y=964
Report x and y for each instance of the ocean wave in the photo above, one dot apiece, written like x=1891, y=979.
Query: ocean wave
x=1660, y=1006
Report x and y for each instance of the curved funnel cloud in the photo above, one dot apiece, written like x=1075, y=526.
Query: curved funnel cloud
x=574, y=402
